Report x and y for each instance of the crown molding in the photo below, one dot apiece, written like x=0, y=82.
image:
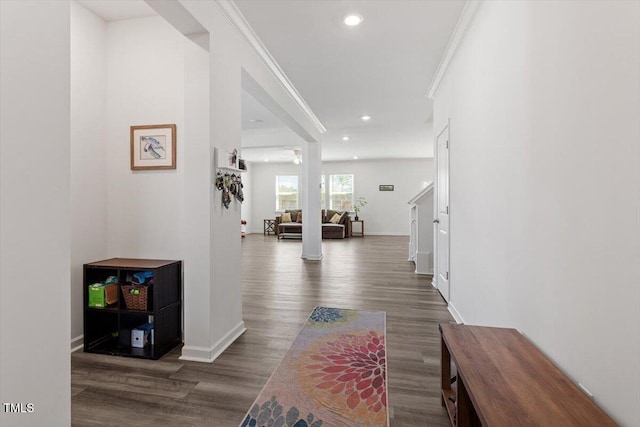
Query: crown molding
x=466, y=19
x=230, y=10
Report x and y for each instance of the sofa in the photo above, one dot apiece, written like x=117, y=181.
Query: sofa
x=339, y=230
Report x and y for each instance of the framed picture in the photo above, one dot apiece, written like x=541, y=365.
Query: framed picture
x=153, y=147
x=385, y=187
x=241, y=164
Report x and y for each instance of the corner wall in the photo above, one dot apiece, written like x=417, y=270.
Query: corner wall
x=88, y=153
x=544, y=102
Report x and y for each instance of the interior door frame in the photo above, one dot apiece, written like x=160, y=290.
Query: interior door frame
x=436, y=198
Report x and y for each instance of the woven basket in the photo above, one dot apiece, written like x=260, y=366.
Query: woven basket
x=132, y=301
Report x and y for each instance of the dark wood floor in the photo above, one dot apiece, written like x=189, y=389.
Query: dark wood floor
x=280, y=290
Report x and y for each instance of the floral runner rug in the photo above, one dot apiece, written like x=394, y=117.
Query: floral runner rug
x=334, y=375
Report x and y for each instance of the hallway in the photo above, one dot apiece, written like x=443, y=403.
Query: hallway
x=279, y=292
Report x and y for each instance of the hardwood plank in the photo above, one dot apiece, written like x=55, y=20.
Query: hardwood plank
x=279, y=291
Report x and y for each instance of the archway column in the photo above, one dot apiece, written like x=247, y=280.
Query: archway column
x=311, y=201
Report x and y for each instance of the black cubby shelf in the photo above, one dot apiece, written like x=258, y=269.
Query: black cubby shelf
x=164, y=306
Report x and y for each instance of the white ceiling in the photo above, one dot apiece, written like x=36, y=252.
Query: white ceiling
x=382, y=68
x=114, y=10
x=270, y=140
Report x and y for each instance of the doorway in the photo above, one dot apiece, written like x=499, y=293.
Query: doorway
x=441, y=220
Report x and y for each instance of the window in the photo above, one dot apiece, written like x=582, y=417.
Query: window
x=341, y=192
x=286, y=192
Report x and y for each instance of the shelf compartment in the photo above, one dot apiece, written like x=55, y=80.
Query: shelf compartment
x=447, y=395
x=111, y=345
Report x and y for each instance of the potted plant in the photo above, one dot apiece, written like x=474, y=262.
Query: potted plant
x=359, y=204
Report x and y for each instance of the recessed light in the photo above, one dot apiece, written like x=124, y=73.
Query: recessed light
x=353, y=19
x=258, y=121
x=355, y=157
x=345, y=138
x=366, y=118
x=266, y=160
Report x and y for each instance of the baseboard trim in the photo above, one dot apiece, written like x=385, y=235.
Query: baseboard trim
x=455, y=314
x=383, y=233
x=77, y=343
x=208, y=355
x=425, y=274
x=311, y=257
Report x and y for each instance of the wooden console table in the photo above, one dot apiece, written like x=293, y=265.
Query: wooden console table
x=504, y=380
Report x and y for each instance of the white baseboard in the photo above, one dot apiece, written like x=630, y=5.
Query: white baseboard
x=311, y=257
x=427, y=274
x=384, y=233
x=208, y=355
x=77, y=343
x=455, y=314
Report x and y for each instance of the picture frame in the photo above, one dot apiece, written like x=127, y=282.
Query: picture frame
x=242, y=165
x=153, y=147
x=385, y=187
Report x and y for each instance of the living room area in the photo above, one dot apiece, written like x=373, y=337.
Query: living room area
x=117, y=117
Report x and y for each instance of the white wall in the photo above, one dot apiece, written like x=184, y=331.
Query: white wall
x=34, y=211
x=197, y=198
x=263, y=191
x=88, y=152
x=543, y=99
x=145, y=63
x=387, y=212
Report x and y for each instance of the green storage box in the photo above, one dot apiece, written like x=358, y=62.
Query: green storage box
x=101, y=295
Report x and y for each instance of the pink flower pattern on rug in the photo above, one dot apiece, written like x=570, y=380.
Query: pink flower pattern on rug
x=334, y=374
x=354, y=367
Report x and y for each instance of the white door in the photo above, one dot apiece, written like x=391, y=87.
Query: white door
x=442, y=213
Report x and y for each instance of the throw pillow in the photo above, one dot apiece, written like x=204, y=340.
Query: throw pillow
x=342, y=217
x=294, y=214
x=299, y=219
x=335, y=219
x=285, y=217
